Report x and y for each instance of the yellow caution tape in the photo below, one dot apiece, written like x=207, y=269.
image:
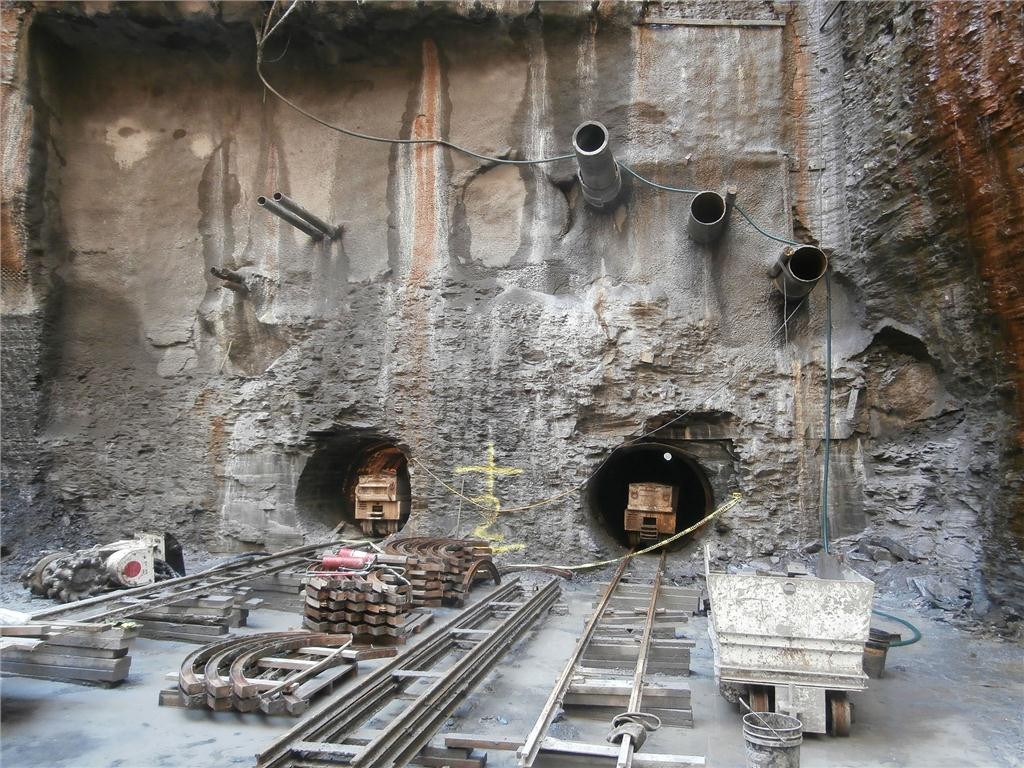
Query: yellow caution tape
x=733, y=501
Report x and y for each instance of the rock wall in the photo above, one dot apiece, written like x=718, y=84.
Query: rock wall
x=480, y=316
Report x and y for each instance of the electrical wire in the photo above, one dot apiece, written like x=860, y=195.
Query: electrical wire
x=827, y=416
x=261, y=42
x=655, y=184
x=736, y=499
x=770, y=236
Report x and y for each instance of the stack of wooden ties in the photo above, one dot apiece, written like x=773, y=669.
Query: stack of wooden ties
x=95, y=654
x=372, y=607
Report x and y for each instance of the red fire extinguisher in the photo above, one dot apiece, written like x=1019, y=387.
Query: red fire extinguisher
x=348, y=559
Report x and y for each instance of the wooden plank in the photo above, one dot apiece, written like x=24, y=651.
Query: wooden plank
x=666, y=630
x=278, y=662
x=435, y=757
x=51, y=672
x=616, y=693
x=182, y=636
x=677, y=717
x=78, y=650
x=470, y=741
x=191, y=627
x=325, y=749
x=598, y=666
x=415, y=673
x=39, y=629
x=551, y=745
x=10, y=655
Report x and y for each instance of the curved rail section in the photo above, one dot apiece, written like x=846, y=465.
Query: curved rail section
x=432, y=677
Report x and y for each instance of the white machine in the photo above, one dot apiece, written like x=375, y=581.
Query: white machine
x=70, y=576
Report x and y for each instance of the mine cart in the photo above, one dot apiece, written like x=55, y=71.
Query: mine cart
x=792, y=642
x=379, y=506
x=650, y=512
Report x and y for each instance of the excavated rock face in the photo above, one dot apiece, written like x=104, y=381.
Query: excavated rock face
x=487, y=322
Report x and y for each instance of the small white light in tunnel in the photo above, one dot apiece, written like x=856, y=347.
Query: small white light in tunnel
x=668, y=456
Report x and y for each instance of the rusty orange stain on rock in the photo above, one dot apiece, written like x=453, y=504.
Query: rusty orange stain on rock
x=425, y=162
x=11, y=256
x=974, y=95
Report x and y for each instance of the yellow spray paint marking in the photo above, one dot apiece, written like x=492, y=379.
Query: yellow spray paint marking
x=490, y=471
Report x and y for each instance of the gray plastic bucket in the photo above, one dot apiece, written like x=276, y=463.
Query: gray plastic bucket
x=773, y=740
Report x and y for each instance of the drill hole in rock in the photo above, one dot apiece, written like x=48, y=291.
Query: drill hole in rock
x=608, y=490
x=361, y=481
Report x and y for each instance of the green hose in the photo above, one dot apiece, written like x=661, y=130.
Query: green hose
x=905, y=623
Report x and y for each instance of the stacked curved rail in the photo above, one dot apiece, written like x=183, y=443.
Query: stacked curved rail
x=440, y=570
x=277, y=673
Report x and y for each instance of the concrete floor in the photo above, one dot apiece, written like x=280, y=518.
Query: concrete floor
x=952, y=700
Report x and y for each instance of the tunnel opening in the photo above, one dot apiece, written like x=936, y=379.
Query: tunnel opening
x=608, y=490
x=329, y=490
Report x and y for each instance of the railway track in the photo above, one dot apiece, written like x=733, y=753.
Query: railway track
x=127, y=603
x=630, y=635
x=416, y=691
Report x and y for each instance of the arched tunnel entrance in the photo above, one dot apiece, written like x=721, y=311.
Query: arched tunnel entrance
x=608, y=490
x=326, y=491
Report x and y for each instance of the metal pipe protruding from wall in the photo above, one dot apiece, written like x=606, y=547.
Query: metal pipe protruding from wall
x=599, y=173
x=797, y=271
x=709, y=213
x=287, y=203
x=283, y=213
x=232, y=280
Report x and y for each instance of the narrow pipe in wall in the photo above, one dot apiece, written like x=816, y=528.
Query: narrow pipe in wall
x=709, y=213
x=232, y=280
x=283, y=213
x=798, y=271
x=599, y=173
x=288, y=204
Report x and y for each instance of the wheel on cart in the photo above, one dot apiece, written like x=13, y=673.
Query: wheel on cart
x=760, y=698
x=837, y=714
x=634, y=539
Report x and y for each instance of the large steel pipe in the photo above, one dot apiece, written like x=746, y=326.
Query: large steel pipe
x=599, y=173
x=709, y=213
x=283, y=213
x=288, y=204
x=798, y=271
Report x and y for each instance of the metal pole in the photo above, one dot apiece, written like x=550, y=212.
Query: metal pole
x=288, y=204
x=283, y=213
x=708, y=215
x=599, y=173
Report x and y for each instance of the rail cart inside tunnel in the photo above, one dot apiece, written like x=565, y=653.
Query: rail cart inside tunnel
x=651, y=512
x=792, y=642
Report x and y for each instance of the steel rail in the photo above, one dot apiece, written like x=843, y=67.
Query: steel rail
x=531, y=747
x=189, y=682
x=410, y=731
x=626, y=746
x=205, y=581
x=342, y=713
